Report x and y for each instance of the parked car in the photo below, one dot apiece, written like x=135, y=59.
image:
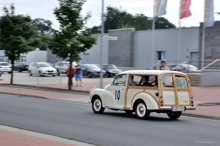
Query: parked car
x=41, y=69
x=62, y=66
x=145, y=91
x=111, y=69
x=0, y=73
x=21, y=66
x=185, y=67
x=5, y=67
x=91, y=70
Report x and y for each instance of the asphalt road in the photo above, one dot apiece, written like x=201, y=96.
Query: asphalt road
x=77, y=121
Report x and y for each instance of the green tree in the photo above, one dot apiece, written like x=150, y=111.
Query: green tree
x=16, y=35
x=73, y=37
x=44, y=31
x=163, y=23
x=116, y=18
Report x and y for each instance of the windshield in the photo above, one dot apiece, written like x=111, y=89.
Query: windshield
x=111, y=67
x=93, y=66
x=44, y=65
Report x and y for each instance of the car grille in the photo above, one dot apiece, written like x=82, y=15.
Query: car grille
x=49, y=71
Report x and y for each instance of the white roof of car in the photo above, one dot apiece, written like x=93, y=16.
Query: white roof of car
x=151, y=72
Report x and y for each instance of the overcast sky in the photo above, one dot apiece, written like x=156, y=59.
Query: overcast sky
x=44, y=9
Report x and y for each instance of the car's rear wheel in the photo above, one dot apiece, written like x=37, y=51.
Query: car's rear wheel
x=19, y=70
x=89, y=75
x=141, y=110
x=174, y=115
x=97, y=106
x=30, y=73
x=107, y=74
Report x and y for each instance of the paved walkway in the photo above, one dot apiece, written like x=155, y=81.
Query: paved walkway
x=17, y=137
x=201, y=94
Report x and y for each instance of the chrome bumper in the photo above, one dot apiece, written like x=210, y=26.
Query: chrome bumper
x=168, y=108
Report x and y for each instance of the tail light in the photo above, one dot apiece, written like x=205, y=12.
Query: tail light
x=192, y=97
x=192, y=103
x=161, y=102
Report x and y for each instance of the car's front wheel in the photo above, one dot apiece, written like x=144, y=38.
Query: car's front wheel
x=89, y=75
x=97, y=106
x=141, y=110
x=174, y=115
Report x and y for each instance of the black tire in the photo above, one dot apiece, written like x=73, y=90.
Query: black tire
x=108, y=74
x=89, y=75
x=9, y=72
x=141, y=111
x=58, y=73
x=19, y=70
x=30, y=73
x=174, y=115
x=97, y=105
x=54, y=75
x=128, y=112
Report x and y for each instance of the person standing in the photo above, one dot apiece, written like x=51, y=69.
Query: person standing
x=163, y=66
x=72, y=73
x=78, y=75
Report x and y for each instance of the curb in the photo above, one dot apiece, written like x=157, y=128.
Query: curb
x=201, y=116
x=26, y=95
x=47, y=88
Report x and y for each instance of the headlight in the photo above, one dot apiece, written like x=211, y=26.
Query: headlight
x=43, y=70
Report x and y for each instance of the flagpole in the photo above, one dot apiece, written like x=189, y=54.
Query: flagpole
x=178, y=48
x=153, y=28
x=203, y=38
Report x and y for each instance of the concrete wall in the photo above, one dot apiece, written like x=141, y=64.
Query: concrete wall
x=36, y=56
x=121, y=51
x=52, y=58
x=212, y=42
x=94, y=52
x=165, y=40
x=210, y=79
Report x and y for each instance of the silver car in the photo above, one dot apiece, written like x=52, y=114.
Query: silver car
x=41, y=69
x=5, y=67
x=62, y=67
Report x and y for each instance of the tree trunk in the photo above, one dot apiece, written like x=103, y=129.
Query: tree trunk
x=12, y=70
x=70, y=77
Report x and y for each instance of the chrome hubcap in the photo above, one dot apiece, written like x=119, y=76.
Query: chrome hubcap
x=141, y=110
x=97, y=105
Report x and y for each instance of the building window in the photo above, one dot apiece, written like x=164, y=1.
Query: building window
x=23, y=59
x=161, y=55
x=209, y=52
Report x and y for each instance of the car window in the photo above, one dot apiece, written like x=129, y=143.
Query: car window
x=167, y=81
x=44, y=65
x=111, y=66
x=181, y=82
x=142, y=80
x=120, y=80
x=4, y=64
x=92, y=66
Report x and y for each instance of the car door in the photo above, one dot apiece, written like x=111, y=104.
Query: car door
x=115, y=94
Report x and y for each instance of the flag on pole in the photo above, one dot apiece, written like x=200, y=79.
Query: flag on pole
x=209, y=13
x=185, y=9
x=160, y=8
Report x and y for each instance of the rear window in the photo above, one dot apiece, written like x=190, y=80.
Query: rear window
x=4, y=64
x=167, y=81
x=181, y=82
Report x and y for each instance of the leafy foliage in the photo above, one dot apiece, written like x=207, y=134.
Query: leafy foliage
x=116, y=19
x=16, y=35
x=44, y=31
x=73, y=37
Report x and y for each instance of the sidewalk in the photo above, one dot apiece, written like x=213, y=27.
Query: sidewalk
x=201, y=95
x=17, y=137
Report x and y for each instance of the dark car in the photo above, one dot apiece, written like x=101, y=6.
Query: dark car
x=91, y=70
x=111, y=70
x=21, y=66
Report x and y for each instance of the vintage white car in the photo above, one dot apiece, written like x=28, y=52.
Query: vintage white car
x=145, y=91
